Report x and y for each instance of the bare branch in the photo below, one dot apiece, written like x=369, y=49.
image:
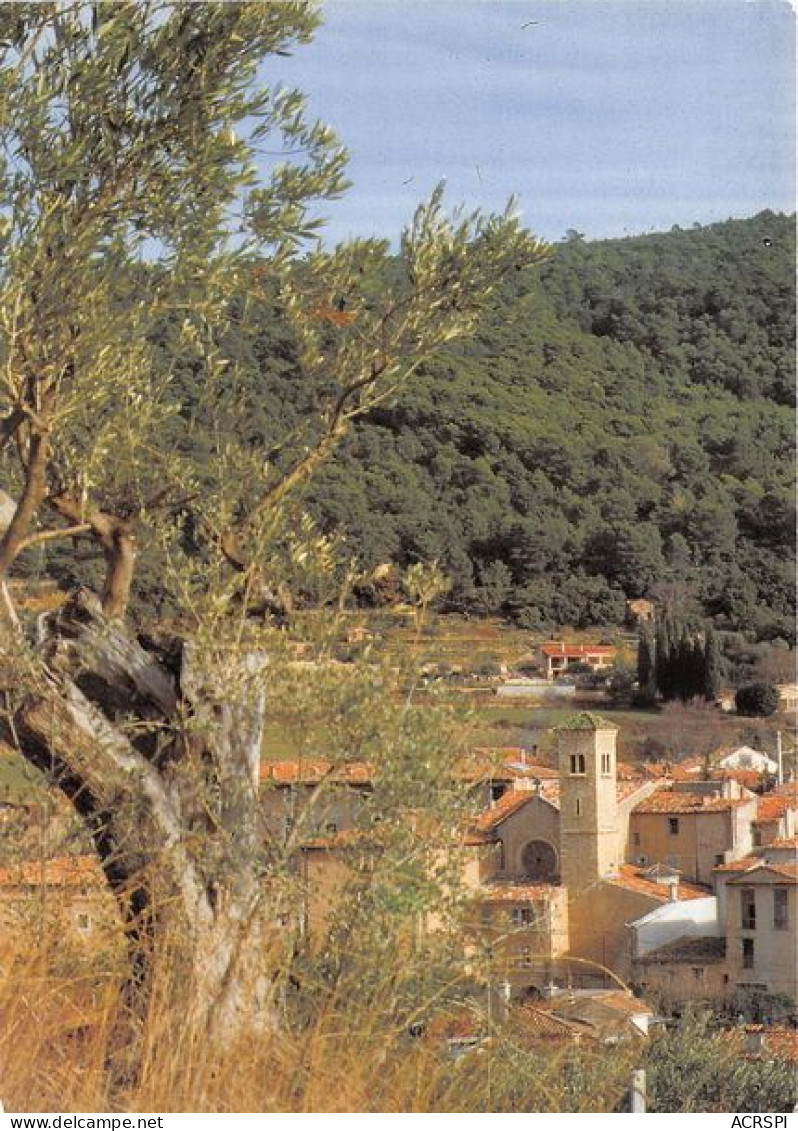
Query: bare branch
x=53, y=535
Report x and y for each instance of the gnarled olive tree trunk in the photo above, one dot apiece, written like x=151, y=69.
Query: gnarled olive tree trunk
x=162, y=765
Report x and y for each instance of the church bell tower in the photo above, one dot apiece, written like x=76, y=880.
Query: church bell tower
x=588, y=801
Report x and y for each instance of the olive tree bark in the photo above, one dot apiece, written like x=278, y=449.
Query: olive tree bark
x=163, y=767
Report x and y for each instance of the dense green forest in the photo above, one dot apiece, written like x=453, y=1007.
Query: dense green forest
x=621, y=427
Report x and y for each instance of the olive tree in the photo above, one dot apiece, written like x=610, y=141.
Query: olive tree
x=151, y=177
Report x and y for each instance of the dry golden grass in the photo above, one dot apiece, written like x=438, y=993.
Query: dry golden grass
x=59, y=1053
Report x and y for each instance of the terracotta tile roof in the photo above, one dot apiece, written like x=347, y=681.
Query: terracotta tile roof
x=784, y=842
x=692, y=766
x=577, y=651
x=749, y=778
x=629, y=787
x=310, y=771
x=541, y=1024
x=510, y=802
x=460, y=1025
x=503, y=764
x=474, y=839
x=550, y=790
x=668, y=801
x=786, y=789
x=631, y=877
x=782, y=1044
x=62, y=871
x=605, y=1012
x=787, y=870
x=777, y=1043
x=774, y=805
x=687, y=950
x=741, y=865
x=517, y=890
x=485, y=764
x=533, y=770
x=622, y=1002
x=626, y=771
x=663, y=770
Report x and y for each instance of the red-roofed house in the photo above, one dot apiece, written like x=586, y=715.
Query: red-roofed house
x=556, y=657
x=694, y=827
x=59, y=902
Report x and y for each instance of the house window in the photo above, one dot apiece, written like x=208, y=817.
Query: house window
x=331, y=828
x=673, y=826
x=522, y=916
x=748, y=909
x=748, y=954
x=497, y=790
x=698, y=973
x=577, y=763
x=780, y=921
x=84, y=922
x=636, y=839
x=578, y=807
x=606, y=764
x=719, y=859
x=526, y=956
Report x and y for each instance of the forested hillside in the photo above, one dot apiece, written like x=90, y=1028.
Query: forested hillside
x=621, y=427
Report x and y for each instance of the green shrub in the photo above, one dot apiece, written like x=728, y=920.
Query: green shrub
x=757, y=700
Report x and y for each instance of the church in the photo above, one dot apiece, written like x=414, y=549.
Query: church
x=550, y=875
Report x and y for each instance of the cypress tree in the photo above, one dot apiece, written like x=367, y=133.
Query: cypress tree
x=713, y=666
x=646, y=665
x=683, y=675
x=668, y=642
x=698, y=668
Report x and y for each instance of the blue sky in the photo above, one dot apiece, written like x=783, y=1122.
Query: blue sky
x=609, y=116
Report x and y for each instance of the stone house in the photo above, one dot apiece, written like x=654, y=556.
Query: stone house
x=760, y=916
x=684, y=971
x=303, y=798
x=59, y=905
x=694, y=827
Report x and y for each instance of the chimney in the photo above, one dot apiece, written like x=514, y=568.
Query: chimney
x=673, y=891
x=754, y=1039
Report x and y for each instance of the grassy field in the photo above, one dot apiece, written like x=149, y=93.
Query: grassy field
x=671, y=731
